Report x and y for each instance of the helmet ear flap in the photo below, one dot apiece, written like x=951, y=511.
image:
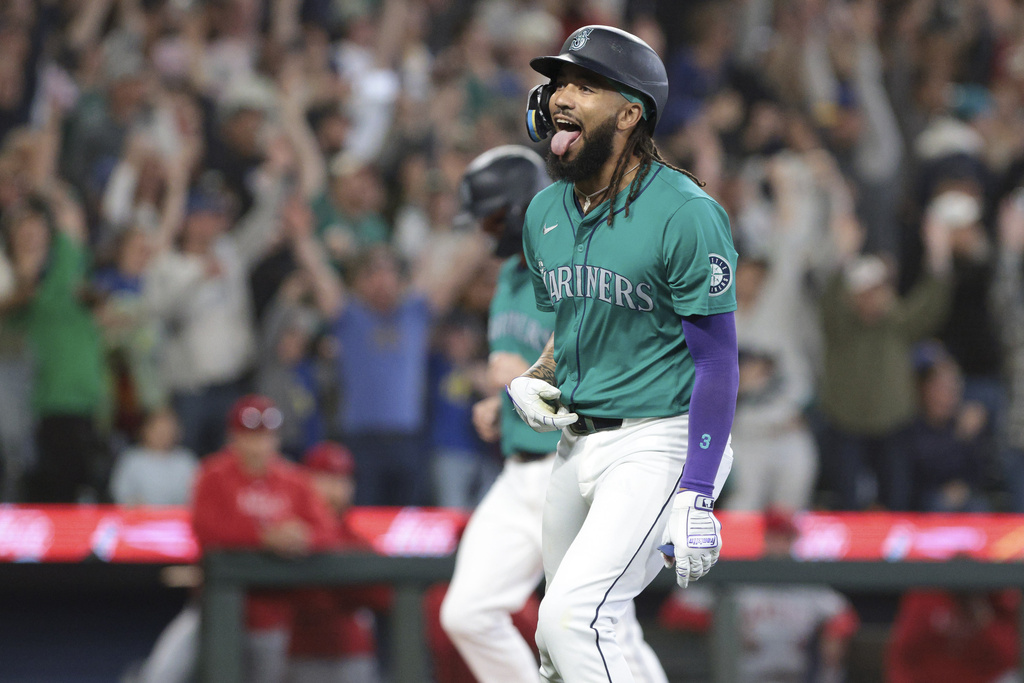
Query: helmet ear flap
x=538, y=113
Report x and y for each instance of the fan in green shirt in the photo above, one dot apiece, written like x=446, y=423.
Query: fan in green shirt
x=63, y=334
x=69, y=384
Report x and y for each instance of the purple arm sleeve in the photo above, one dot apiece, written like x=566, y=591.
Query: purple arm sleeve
x=712, y=343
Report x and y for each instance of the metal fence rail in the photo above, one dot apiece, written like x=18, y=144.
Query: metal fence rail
x=228, y=575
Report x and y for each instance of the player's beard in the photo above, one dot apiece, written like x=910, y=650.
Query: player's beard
x=595, y=153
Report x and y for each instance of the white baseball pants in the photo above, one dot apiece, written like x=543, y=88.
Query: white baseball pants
x=606, y=509
x=176, y=652
x=498, y=566
x=175, y=655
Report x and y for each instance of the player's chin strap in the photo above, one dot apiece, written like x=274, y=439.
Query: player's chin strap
x=538, y=115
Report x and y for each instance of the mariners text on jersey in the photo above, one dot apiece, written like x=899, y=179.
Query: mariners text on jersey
x=619, y=292
x=592, y=282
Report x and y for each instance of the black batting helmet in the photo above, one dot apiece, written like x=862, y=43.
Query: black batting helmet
x=613, y=53
x=505, y=177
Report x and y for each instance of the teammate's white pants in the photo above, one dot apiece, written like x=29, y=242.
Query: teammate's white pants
x=266, y=655
x=776, y=469
x=606, y=509
x=498, y=566
x=174, y=656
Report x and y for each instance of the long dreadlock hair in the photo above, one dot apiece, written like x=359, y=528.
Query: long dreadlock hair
x=642, y=144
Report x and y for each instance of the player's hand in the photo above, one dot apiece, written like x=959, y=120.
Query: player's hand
x=696, y=535
x=537, y=403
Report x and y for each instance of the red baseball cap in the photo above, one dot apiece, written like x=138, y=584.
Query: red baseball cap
x=254, y=413
x=330, y=457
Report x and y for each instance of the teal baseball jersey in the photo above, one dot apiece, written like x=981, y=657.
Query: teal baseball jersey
x=517, y=326
x=619, y=292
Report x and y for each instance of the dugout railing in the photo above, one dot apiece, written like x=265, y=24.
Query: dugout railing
x=229, y=575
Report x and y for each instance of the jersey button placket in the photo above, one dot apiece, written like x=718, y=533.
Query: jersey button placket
x=574, y=361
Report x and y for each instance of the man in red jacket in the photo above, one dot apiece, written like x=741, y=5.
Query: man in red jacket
x=333, y=633
x=248, y=497
x=944, y=636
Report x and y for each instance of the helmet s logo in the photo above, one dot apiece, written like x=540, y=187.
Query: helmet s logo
x=581, y=39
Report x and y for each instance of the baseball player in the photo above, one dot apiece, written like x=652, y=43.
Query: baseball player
x=248, y=497
x=641, y=374
x=506, y=526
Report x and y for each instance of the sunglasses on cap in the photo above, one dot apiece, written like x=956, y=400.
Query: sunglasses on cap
x=253, y=418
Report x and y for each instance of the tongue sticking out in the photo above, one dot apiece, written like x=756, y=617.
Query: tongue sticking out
x=562, y=140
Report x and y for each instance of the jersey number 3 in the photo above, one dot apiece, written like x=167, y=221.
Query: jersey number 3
x=705, y=441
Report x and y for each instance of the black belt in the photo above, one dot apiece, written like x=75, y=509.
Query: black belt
x=529, y=456
x=589, y=425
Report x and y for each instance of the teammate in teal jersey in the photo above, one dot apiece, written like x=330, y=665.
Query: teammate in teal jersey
x=641, y=374
x=499, y=559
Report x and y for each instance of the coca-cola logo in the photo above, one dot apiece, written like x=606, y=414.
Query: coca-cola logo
x=821, y=538
x=25, y=535
x=419, y=532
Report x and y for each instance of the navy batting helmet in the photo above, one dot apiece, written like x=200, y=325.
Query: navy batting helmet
x=505, y=177
x=613, y=53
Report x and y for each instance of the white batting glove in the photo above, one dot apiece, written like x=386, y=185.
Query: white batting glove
x=535, y=402
x=696, y=535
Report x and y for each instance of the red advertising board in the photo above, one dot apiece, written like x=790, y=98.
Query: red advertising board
x=149, y=534
x=885, y=536
x=73, y=533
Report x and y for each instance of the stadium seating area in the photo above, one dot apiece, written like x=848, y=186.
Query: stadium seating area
x=195, y=195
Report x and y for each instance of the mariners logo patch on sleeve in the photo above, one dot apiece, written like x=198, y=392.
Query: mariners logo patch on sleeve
x=721, y=275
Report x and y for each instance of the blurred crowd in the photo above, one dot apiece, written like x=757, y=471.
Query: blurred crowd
x=200, y=199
